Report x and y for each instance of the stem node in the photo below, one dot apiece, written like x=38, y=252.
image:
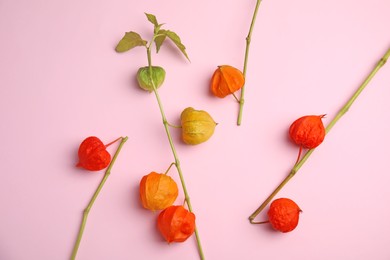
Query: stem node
x=248, y=39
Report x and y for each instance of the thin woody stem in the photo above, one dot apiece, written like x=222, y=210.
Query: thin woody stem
x=299, y=154
x=177, y=162
x=107, y=145
x=95, y=195
x=248, y=42
x=174, y=126
x=261, y=222
x=170, y=166
x=341, y=112
x=236, y=98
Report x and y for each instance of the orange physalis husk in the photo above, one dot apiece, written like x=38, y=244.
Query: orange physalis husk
x=284, y=215
x=93, y=155
x=176, y=224
x=157, y=191
x=226, y=80
x=308, y=131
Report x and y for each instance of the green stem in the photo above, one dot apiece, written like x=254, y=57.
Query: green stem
x=177, y=162
x=248, y=42
x=170, y=166
x=174, y=126
x=341, y=112
x=90, y=204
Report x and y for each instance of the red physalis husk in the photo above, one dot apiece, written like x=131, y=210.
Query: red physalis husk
x=308, y=131
x=93, y=155
x=176, y=224
x=283, y=215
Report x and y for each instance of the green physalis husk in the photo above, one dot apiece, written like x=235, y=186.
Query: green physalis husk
x=158, y=75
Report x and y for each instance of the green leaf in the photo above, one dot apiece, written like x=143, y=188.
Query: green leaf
x=160, y=39
x=152, y=19
x=157, y=28
x=176, y=40
x=129, y=41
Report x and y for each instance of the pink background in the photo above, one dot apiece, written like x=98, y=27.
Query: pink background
x=61, y=81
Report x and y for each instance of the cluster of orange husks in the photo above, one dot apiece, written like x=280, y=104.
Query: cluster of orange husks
x=158, y=192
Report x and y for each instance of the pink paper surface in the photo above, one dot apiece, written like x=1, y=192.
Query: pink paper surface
x=61, y=81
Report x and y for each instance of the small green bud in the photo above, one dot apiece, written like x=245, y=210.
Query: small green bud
x=158, y=75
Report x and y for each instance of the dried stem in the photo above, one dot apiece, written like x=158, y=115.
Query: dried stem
x=95, y=195
x=110, y=143
x=342, y=111
x=248, y=42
